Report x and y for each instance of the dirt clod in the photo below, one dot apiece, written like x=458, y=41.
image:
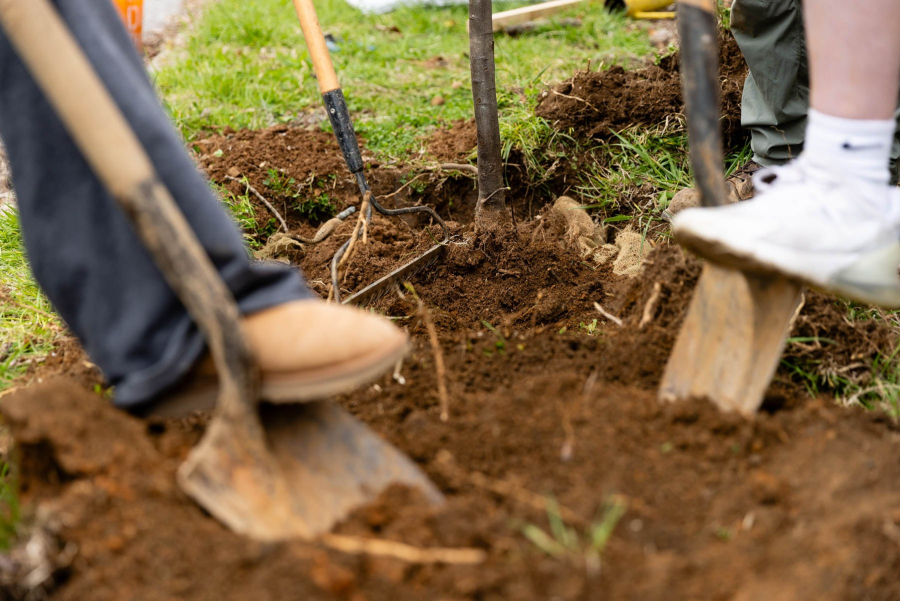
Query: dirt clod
x=594, y=104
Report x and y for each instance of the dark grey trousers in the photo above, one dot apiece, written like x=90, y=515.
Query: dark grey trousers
x=776, y=94
x=83, y=251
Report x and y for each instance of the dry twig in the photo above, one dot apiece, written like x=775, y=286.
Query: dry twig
x=438, y=353
x=387, y=548
x=608, y=315
x=7, y=299
x=362, y=225
x=650, y=307
x=441, y=167
x=262, y=199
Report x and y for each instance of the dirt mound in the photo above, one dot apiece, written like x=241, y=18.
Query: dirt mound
x=292, y=167
x=454, y=143
x=596, y=103
x=557, y=459
x=799, y=502
x=67, y=359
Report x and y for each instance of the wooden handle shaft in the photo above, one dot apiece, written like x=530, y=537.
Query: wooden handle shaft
x=697, y=29
x=315, y=42
x=99, y=129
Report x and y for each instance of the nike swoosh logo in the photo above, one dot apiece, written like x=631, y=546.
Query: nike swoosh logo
x=848, y=146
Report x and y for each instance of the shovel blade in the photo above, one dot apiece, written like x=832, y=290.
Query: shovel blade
x=732, y=338
x=315, y=464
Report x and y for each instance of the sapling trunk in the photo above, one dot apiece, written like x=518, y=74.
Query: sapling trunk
x=491, y=191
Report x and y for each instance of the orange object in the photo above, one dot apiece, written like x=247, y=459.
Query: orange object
x=132, y=12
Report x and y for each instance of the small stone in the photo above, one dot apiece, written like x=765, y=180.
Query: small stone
x=661, y=37
x=684, y=199
x=437, y=100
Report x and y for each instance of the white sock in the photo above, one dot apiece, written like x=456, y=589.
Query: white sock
x=858, y=149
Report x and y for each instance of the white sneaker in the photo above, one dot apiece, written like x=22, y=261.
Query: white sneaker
x=822, y=229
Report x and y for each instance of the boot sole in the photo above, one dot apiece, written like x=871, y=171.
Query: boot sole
x=886, y=297
x=296, y=387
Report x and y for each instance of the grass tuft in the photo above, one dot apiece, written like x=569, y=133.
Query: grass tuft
x=403, y=73
x=29, y=327
x=566, y=543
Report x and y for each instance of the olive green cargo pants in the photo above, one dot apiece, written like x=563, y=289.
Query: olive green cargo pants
x=776, y=93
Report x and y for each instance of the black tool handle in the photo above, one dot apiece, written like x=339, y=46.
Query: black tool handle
x=700, y=75
x=343, y=128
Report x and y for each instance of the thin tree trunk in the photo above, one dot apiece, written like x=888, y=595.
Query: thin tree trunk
x=491, y=191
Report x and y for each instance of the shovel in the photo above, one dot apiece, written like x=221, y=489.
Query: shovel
x=737, y=323
x=268, y=472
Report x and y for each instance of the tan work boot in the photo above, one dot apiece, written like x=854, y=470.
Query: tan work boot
x=306, y=350
x=739, y=187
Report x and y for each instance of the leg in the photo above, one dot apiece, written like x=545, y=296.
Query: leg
x=776, y=92
x=92, y=266
x=829, y=219
x=854, y=57
x=775, y=99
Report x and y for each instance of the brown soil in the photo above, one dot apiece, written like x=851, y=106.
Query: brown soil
x=798, y=503
x=314, y=161
x=454, y=143
x=595, y=104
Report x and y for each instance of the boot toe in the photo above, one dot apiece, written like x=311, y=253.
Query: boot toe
x=310, y=334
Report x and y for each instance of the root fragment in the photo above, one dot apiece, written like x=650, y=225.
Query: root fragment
x=362, y=225
x=439, y=365
x=262, y=199
x=387, y=548
x=608, y=315
x=650, y=307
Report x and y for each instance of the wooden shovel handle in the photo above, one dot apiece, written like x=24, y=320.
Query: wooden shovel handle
x=700, y=73
x=315, y=42
x=100, y=131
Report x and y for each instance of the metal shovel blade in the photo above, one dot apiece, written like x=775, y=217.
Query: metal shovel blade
x=315, y=465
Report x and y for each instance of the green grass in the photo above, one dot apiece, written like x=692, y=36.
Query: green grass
x=564, y=542
x=26, y=320
x=874, y=383
x=246, y=65
x=10, y=512
x=29, y=334
x=634, y=177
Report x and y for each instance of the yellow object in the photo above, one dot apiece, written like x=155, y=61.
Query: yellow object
x=652, y=15
x=646, y=6
x=132, y=12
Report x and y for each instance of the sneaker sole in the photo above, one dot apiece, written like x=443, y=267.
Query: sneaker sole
x=304, y=387
x=886, y=297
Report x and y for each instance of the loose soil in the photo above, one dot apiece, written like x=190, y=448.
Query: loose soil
x=454, y=143
x=551, y=414
x=594, y=104
x=313, y=159
x=801, y=502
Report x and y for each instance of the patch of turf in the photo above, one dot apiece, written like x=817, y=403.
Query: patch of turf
x=26, y=320
x=403, y=73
